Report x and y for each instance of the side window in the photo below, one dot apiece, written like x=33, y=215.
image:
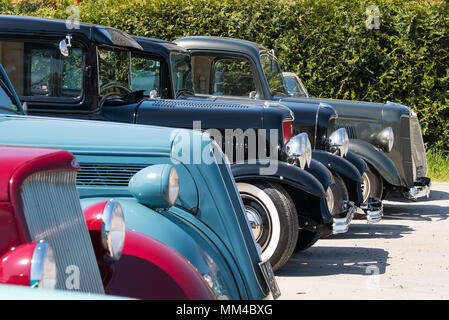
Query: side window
x=233, y=77
x=72, y=74
x=273, y=73
x=145, y=74
x=113, y=68
x=39, y=70
x=291, y=86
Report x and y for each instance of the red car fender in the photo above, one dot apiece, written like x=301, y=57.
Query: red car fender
x=149, y=269
x=15, y=265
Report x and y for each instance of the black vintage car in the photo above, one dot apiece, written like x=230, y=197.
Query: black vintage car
x=400, y=165
x=386, y=136
x=237, y=84
x=89, y=73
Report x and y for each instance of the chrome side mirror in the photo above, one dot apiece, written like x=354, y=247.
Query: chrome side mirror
x=25, y=108
x=252, y=95
x=65, y=46
x=153, y=94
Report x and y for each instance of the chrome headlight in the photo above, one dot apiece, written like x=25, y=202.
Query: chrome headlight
x=338, y=142
x=385, y=139
x=113, y=229
x=299, y=150
x=43, y=267
x=214, y=278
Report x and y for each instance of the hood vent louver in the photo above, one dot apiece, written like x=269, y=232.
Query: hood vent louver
x=115, y=175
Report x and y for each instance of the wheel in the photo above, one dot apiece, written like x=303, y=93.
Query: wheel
x=273, y=219
x=306, y=239
x=337, y=193
x=372, y=183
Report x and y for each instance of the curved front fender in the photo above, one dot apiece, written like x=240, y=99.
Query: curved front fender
x=356, y=161
x=349, y=173
x=377, y=159
x=319, y=171
x=285, y=174
x=147, y=221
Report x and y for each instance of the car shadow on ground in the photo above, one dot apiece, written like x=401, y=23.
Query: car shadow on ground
x=373, y=231
x=323, y=261
x=423, y=209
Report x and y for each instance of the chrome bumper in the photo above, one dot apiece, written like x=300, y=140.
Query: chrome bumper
x=421, y=189
x=341, y=221
x=373, y=209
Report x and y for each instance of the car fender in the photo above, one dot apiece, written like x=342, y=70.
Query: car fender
x=349, y=173
x=149, y=269
x=320, y=172
x=305, y=190
x=356, y=161
x=144, y=220
x=377, y=159
x=285, y=174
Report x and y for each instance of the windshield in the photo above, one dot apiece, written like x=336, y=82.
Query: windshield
x=7, y=99
x=7, y=104
x=273, y=73
x=114, y=70
x=182, y=75
x=294, y=87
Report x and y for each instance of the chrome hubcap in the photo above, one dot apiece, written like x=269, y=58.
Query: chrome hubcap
x=259, y=219
x=366, y=187
x=255, y=221
x=330, y=200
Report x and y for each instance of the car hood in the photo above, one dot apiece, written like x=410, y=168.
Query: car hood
x=372, y=111
x=80, y=136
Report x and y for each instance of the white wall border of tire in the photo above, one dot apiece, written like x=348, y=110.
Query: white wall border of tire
x=274, y=215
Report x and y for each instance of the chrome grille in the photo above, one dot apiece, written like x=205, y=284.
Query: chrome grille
x=418, y=150
x=107, y=174
x=53, y=214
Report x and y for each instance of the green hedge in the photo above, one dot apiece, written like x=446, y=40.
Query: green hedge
x=325, y=41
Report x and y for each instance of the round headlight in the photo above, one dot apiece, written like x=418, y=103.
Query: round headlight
x=43, y=267
x=308, y=148
x=297, y=150
x=338, y=142
x=386, y=139
x=173, y=186
x=113, y=229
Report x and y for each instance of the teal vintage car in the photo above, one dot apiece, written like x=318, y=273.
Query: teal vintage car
x=192, y=206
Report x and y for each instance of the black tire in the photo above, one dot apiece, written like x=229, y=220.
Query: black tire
x=371, y=179
x=306, y=239
x=278, y=242
x=340, y=194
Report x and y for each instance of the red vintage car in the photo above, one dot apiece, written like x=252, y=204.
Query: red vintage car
x=47, y=242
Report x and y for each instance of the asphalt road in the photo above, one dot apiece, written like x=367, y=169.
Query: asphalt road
x=404, y=256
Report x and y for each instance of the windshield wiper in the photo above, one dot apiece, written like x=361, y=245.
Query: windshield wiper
x=9, y=109
x=184, y=91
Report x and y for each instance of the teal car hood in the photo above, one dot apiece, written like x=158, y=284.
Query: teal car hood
x=82, y=136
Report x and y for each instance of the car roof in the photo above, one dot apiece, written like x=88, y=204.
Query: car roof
x=158, y=46
x=220, y=44
x=33, y=26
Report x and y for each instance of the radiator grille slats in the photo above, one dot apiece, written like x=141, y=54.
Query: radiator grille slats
x=53, y=214
x=107, y=175
x=418, y=151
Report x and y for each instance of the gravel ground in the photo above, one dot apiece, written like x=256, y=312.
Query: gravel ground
x=405, y=256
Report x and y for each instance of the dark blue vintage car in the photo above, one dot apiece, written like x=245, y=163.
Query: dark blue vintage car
x=101, y=73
